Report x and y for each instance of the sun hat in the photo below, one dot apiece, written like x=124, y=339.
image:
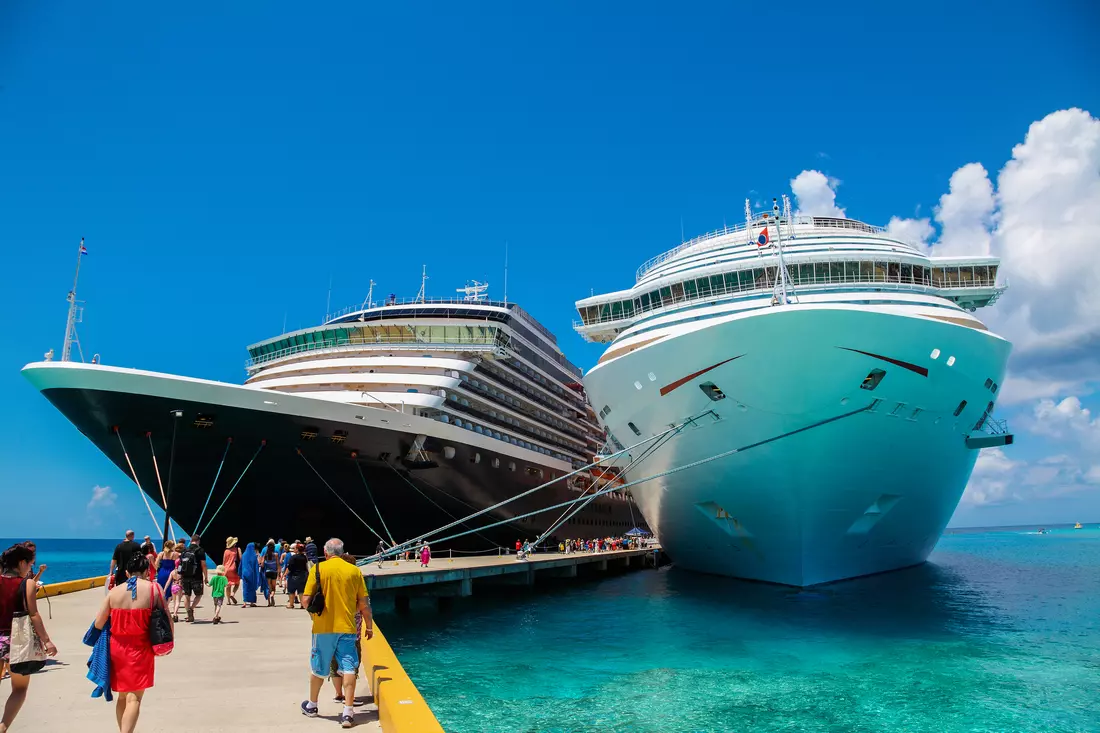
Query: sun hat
x=230, y=541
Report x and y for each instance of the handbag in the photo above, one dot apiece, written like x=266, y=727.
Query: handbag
x=317, y=600
x=28, y=654
x=160, y=629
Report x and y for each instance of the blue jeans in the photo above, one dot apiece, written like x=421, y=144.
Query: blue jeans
x=327, y=647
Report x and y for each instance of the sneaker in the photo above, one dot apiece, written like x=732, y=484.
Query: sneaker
x=347, y=721
x=338, y=698
x=308, y=710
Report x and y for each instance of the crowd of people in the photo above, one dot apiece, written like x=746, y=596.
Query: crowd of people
x=142, y=582
x=570, y=546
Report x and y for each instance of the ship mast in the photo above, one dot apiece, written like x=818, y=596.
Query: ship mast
x=423, y=284
x=74, y=312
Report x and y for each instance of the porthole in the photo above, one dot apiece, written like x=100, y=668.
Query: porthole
x=634, y=427
x=495, y=463
x=475, y=458
x=652, y=377
x=448, y=452
x=511, y=465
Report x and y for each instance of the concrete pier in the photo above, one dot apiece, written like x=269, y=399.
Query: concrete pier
x=249, y=673
x=446, y=577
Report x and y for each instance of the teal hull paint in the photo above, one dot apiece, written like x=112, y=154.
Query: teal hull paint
x=861, y=495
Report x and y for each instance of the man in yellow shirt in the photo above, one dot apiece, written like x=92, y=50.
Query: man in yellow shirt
x=334, y=632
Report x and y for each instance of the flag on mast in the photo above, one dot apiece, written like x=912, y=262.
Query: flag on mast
x=83, y=249
x=763, y=239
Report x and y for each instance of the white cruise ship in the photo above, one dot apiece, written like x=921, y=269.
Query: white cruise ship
x=384, y=422
x=835, y=384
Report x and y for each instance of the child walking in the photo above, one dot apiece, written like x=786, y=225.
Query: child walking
x=217, y=583
x=173, y=588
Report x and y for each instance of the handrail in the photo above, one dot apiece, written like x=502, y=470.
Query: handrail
x=581, y=326
x=816, y=221
x=357, y=342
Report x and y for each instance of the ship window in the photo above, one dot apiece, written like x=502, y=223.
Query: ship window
x=666, y=295
x=918, y=274
x=851, y=272
x=966, y=276
x=906, y=273
x=715, y=284
x=935, y=354
x=511, y=465
x=637, y=385
x=960, y=408
x=758, y=280
x=712, y=391
x=836, y=272
x=988, y=383
x=893, y=272
x=645, y=301
x=872, y=379
x=992, y=274
x=634, y=427
x=475, y=458
x=691, y=289
x=677, y=291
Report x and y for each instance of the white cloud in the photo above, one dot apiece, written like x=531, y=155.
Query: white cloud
x=991, y=481
x=914, y=231
x=102, y=496
x=1067, y=420
x=965, y=213
x=815, y=194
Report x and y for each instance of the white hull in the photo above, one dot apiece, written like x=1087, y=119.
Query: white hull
x=863, y=494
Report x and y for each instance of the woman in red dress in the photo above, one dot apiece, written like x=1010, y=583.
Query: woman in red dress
x=231, y=559
x=128, y=607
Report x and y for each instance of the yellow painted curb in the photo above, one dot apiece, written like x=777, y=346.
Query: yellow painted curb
x=401, y=707
x=71, y=586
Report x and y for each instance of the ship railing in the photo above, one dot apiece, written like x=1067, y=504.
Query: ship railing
x=356, y=343
x=388, y=302
x=994, y=427
x=816, y=221
x=927, y=286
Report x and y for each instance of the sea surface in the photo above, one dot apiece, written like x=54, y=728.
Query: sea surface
x=72, y=559
x=1000, y=631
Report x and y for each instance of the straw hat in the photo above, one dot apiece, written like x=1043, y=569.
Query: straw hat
x=230, y=542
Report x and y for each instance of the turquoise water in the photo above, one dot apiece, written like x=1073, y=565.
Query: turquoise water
x=1000, y=631
x=70, y=559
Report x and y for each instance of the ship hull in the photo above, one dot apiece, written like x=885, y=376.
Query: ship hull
x=274, y=465
x=830, y=480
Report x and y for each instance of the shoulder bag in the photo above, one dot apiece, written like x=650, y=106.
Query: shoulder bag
x=317, y=600
x=160, y=628
x=28, y=654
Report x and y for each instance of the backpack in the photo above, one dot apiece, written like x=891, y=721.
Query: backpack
x=189, y=563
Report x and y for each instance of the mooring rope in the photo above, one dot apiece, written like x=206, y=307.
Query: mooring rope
x=163, y=498
x=326, y=483
x=433, y=501
x=662, y=474
x=233, y=488
x=228, y=442
x=452, y=525
x=133, y=473
x=370, y=495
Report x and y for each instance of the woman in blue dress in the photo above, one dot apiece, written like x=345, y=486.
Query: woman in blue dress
x=252, y=575
x=166, y=563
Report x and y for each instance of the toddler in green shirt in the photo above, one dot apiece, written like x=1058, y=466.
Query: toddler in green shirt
x=217, y=583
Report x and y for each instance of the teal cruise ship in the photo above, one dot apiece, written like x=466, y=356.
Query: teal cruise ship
x=828, y=385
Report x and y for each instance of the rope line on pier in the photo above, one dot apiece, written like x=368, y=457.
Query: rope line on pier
x=370, y=495
x=156, y=470
x=234, y=487
x=662, y=474
x=133, y=473
x=228, y=442
x=605, y=459
x=329, y=486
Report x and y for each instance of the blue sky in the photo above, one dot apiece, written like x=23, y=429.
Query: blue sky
x=225, y=165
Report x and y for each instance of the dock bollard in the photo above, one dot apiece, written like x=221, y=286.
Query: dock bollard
x=452, y=555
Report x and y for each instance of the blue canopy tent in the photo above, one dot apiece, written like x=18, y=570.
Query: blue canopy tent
x=637, y=533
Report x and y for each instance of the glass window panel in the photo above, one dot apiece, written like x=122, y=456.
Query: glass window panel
x=918, y=274
x=677, y=291
x=645, y=301
x=628, y=308
x=745, y=280
x=758, y=278
x=851, y=272
x=836, y=272
x=937, y=276
x=906, y=273
x=769, y=273
x=715, y=284
x=966, y=275
x=951, y=277
x=806, y=272
x=666, y=295
x=691, y=290
x=617, y=309
x=893, y=272
x=605, y=311
x=730, y=280
x=992, y=274
x=981, y=274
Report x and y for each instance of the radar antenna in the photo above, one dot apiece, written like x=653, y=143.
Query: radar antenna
x=76, y=312
x=474, y=291
x=423, y=285
x=368, y=302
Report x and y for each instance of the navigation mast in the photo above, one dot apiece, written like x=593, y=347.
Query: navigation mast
x=474, y=291
x=75, y=312
x=423, y=284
